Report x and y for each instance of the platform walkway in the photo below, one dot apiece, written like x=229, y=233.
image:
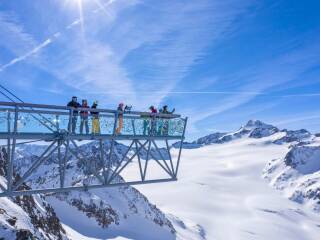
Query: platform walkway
x=50, y=123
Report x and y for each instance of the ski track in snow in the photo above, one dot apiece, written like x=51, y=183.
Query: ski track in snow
x=220, y=188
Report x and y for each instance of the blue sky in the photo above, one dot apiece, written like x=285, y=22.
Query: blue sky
x=219, y=62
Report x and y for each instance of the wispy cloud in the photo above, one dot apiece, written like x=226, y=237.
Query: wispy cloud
x=298, y=119
x=13, y=35
x=167, y=37
x=178, y=35
x=10, y=27
x=25, y=56
x=256, y=82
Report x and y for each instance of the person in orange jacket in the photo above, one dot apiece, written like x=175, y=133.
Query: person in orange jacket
x=120, y=118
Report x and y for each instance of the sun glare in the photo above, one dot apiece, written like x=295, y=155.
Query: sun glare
x=76, y=5
x=79, y=5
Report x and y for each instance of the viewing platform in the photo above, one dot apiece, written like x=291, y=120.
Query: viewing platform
x=145, y=137
x=49, y=122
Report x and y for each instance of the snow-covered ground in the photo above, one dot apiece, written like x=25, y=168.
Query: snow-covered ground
x=222, y=194
x=227, y=189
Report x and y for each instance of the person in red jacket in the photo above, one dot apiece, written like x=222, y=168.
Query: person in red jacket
x=153, y=111
x=84, y=115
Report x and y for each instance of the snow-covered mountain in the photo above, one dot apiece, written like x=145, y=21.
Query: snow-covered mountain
x=27, y=217
x=253, y=129
x=219, y=182
x=221, y=188
x=112, y=212
x=298, y=175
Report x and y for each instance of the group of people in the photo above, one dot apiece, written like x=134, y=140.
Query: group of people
x=84, y=116
x=159, y=127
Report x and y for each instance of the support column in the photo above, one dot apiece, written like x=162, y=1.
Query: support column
x=139, y=160
x=101, y=146
x=60, y=163
x=13, y=149
x=146, y=164
x=181, y=143
x=8, y=143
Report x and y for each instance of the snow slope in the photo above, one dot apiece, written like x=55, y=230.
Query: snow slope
x=220, y=188
x=220, y=194
x=297, y=174
x=102, y=213
x=252, y=129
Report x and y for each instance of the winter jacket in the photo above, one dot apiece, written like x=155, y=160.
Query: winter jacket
x=94, y=114
x=74, y=105
x=167, y=112
x=84, y=114
x=120, y=111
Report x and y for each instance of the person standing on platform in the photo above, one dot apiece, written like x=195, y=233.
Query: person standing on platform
x=146, y=120
x=153, y=111
x=95, y=119
x=73, y=121
x=120, y=118
x=165, y=122
x=84, y=115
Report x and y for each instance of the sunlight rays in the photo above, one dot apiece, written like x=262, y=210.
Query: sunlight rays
x=80, y=9
x=81, y=6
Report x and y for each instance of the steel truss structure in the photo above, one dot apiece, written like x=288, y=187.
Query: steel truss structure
x=54, y=125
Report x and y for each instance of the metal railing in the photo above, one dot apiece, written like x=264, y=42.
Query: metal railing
x=63, y=126
x=44, y=119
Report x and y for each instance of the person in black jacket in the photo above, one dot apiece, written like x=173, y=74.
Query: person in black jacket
x=73, y=121
x=164, y=127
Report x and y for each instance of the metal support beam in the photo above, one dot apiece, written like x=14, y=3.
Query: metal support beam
x=101, y=147
x=60, y=136
x=131, y=158
x=139, y=161
x=146, y=163
x=8, y=143
x=60, y=163
x=163, y=158
x=84, y=158
x=170, y=157
x=13, y=150
x=79, y=188
x=157, y=161
x=180, y=149
x=36, y=164
x=120, y=162
x=65, y=159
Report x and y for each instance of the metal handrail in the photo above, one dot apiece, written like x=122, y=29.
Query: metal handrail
x=56, y=107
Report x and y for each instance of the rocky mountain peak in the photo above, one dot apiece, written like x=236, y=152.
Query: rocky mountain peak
x=251, y=124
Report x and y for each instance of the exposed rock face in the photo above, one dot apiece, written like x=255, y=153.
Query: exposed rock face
x=293, y=136
x=186, y=145
x=298, y=175
x=263, y=132
x=304, y=159
x=212, y=138
x=109, y=207
x=102, y=212
x=27, y=217
x=46, y=221
x=253, y=129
